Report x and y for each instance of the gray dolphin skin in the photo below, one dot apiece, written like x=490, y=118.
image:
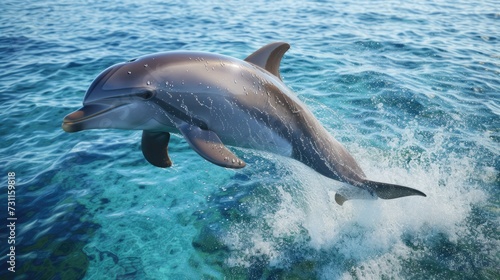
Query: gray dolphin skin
x=215, y=101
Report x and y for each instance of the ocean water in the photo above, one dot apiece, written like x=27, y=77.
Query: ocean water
x=411, y=89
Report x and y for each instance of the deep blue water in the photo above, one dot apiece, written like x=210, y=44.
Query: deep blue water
x=411, y=89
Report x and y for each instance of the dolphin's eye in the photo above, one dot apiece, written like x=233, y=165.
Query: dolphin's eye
x=146, y=94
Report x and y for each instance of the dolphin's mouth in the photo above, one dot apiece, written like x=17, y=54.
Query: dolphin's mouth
x=75, y=121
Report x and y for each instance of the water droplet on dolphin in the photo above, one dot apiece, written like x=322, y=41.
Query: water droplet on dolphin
x=148, y=83
x=145, y=65
x=129, y=72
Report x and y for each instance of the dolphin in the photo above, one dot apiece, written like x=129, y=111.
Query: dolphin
x=215, y=101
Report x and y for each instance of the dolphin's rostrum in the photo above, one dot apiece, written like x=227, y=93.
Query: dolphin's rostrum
x=214, y=101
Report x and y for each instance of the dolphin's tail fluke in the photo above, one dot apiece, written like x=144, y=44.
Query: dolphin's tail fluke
x=378, y=189
x=391, y=191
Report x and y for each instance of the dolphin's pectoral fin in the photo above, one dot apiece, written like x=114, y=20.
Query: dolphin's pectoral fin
x=269, y=57
x=208, y=145
x=391, y=191
x=154, y=148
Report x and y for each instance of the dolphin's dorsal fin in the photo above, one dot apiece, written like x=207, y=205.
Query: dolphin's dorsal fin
x=154, y=148
x=269, y=57
x=208, y=145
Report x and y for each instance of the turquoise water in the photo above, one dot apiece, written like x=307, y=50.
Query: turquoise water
x=412, y=90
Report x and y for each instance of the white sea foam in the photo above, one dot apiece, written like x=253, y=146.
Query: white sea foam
x=370, y=234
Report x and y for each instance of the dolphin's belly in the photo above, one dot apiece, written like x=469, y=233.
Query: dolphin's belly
x=241, y=129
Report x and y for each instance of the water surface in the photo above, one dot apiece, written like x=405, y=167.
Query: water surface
x=411, y=89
